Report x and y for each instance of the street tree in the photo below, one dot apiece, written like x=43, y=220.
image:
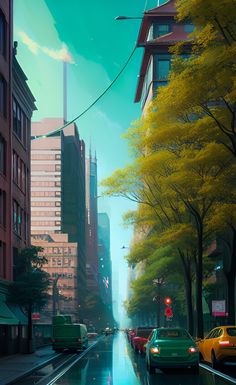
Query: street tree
x=31, y=284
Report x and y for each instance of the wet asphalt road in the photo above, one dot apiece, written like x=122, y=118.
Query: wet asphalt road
x=113, y=362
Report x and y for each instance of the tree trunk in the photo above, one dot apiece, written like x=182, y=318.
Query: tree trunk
x=188, y=291
x=199, y=309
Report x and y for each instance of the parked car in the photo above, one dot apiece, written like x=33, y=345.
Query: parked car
x=140, y=339
x=218, y=346
x=171, y=348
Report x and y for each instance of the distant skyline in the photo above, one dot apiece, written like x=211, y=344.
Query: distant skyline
x=96, y=47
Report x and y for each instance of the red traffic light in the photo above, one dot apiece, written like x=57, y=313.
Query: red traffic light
x=168, y=312
x=168, y=301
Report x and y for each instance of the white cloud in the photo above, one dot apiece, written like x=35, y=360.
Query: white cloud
x=61, y=54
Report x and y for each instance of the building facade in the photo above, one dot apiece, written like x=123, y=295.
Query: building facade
x=16, y=108
x=58, y=190
x=62, y=257
x=6, y=263
x=92, y=263
x=104, y=256
x=158, y=33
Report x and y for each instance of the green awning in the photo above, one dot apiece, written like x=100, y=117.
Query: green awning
x=6, y=315
x=16, y=310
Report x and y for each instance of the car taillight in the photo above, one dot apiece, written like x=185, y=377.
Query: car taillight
x=192, y=349
x=155, y=350
x=225, y=343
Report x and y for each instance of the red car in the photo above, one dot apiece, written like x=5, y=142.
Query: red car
x=131, y=335
x=140, y=339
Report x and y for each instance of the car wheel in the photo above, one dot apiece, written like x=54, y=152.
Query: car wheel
x=214, y=362
x=150, y=368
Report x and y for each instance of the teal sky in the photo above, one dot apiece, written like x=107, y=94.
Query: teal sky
x=98, y=47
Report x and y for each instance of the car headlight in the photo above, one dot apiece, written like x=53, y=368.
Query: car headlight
x=155, y=350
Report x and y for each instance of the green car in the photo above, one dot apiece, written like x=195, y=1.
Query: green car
x=171, y=348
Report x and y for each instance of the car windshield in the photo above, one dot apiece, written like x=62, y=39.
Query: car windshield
x=144, y=333
x=172, y=333
x=231, y=332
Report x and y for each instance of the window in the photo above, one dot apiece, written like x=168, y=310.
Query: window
x=20, y=123
x=189, y=28
x=58, y=167
x=3, y=34
x=3, y=97
x=161, y=29
x=163, y=69
x=58, y=156
x=2, y=208
x=18, y=221
x=2, y=155
x=2, y=259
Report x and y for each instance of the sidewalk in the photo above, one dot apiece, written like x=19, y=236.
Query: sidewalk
x=15, y=366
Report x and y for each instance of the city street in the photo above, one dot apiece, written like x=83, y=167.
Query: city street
x=113, y=362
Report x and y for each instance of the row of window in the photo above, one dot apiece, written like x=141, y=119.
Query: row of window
x=21, y=124
x=62, y=275
x=46, y=214
x=163, y=29
x=19, y=220
x=3, y=155
x=2, y=260
x=45, y=167
x=2, y=208
x=45, y=156
x=46, y=204
x=60, y=250
x=45, y=184
x=45, y=193
x=19, y=172
x=46, y=223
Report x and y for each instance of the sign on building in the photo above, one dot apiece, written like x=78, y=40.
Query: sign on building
x=218, y=308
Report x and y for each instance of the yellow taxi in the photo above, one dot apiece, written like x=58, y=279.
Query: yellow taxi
x=219, y=346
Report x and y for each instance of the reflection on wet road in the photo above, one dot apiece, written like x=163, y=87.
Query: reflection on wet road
x=113, y=362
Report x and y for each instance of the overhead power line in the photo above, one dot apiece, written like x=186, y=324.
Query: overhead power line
x=51, y=133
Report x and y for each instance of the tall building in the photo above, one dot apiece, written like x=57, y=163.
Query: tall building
x=104, y=255
x=92, y=266
x=6, y=263
x=16, y=108
x=159, y=31
x=58, y=189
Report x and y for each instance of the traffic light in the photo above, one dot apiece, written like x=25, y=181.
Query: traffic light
x=168, y=301
x=168, y=312
x=168, y=309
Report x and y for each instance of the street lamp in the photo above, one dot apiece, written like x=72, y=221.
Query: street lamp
x=158, y=282
x=128, y=18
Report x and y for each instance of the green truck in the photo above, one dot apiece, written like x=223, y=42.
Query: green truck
x=68, y=335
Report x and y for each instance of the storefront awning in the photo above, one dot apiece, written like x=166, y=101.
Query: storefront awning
x=6, y=315
x=18, y=313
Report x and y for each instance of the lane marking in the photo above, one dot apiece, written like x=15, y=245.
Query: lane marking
x=59, y=375
x=219, y=374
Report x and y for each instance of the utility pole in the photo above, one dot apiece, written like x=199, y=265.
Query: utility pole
x=158, y=282
x=55, y=296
